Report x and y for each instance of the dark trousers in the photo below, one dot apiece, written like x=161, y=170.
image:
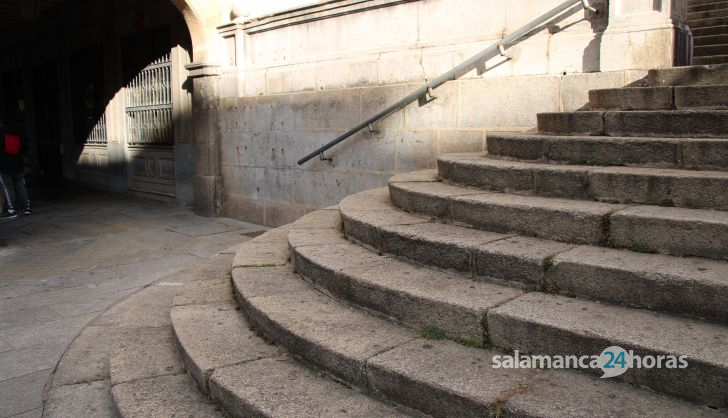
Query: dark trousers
x=12, y=186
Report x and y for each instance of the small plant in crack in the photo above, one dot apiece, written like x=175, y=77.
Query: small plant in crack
x=432, y=332
x=641, y=247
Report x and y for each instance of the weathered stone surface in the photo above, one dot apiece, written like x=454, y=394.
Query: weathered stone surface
x=443, y=378
x=424, y=198
x=414, y=296
x=205, y=291
x=691, y=286
x=214, y=336
x=702, y=97
x=675, y=231
x=588, y=150
x=261, y=254
x=264, y=281
x=560, y=393
x=81, y=400
x=281, y=387
x=324, y=218
x=557, y=219
x=571, y=123
x=694, y=75
x=435, y=244
x=165, y=396
x=144, y=353
x=705, y=154
x=305, y=237
x=544, y=324
x=149, y=308
x=677, y=123
x=520, y=259
x=322, y=331
x=698, y=189
x=632, y=98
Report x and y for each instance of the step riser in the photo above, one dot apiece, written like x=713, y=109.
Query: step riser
x=636, y=124
x=710, y=31
x=715, y=12
x=550, y=224
x=693, y=8
x=711, y=40
x=700, y=382
x=683, y=76
x=622, y=229
x=710, y=50
x=415, y=312
x=661, y=98
x=707, y=154
x=694, y=192
x=704, y=23
x=719, y=59
x=566, y=270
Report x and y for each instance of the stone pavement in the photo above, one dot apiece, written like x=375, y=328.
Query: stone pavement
x=75, y=258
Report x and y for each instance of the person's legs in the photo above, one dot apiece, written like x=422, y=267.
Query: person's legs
x=8, y=190
x=22, y=193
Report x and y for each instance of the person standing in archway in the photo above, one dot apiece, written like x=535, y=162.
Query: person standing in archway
x=12, y=178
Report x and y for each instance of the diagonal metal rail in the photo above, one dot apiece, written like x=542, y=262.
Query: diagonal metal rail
x=424, y=93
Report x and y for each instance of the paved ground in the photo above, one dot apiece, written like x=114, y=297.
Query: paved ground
x=72, y=260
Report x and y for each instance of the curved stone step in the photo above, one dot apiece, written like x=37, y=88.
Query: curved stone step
x=676, y=231
x=661, y=98
x=243, y=373
x=666, y=187
x=438, y=378
x=414, y=296
x=659, y=123
x=706, y=6
x=541, y=324
x=694, y=287
x=713, y=59
x=710, y=31
x=684, y=153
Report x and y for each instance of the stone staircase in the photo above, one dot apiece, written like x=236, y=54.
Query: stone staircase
x=708, y=20
x=609, y=227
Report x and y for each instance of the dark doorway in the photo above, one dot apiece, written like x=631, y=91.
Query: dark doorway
x=47, y=123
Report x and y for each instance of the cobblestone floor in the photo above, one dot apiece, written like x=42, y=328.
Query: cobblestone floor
x=73, y=259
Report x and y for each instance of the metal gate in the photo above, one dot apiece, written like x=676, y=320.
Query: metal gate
x=150, y=129
x=149, y=105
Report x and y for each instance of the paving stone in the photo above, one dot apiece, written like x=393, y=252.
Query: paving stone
x=16, y=363
x=555, y=325
x=443, y=378
x=164, y=396
x=87, y=358
x=50, y=332
x=559, y=393
x=22, y=393
x=690, y=286
x=147, y=309
x=91, y=399
x=676, y=231
x=281, y=387
x=320, y=330
x=27, y=317
x=214, y=336
x=211, y=268
x=144, y=353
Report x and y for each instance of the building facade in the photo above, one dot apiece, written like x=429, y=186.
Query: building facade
x=211, y=103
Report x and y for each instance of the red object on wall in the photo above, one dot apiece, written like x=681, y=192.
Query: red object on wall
x=139, y=19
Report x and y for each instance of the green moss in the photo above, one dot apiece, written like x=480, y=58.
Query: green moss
x=641, y=247
x=432, y=332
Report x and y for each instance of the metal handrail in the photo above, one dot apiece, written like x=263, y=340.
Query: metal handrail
x=424, y=93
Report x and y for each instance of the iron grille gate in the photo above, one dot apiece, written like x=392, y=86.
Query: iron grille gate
x=149, y=105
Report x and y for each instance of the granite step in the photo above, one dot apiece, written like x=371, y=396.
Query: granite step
x=693, y=75
x=243, y=373
x=710, y=31
x=676, y=231
x=711, y=39
x=710, y=50
x=436, y=377
x=414, y=296
x=543, y=324
x=682, y=153
x=653, y=186
x=707, y=6
x=694, y=287
x=703, y=23
x=660, y=98
x=713, y=10
x=666, y=123
x=714, y=59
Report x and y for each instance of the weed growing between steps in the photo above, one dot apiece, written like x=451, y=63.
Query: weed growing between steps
x=432, y=332
x=641, y=247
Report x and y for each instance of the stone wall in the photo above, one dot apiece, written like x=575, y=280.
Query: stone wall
x=295, y=81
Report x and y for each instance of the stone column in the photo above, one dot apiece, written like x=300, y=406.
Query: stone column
x=641, y=34
x=206, y=136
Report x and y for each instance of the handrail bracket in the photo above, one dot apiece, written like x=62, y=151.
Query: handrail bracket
x=589, y=6
x=426, y=98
